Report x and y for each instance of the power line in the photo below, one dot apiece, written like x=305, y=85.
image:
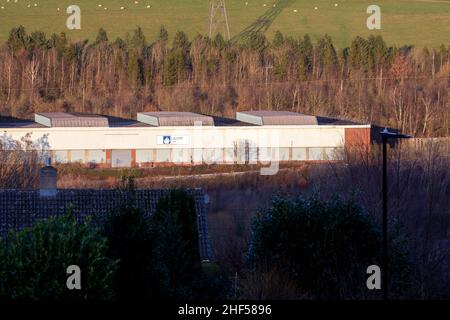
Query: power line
x=262, y=84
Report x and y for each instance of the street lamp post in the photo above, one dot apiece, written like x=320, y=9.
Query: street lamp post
x=385, y=135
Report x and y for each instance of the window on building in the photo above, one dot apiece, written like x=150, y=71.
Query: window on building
x=316, y=154
x=163, y=155
x=96, y=156
x=61, y=156
x=333, y=153
x=299, y=154
x=77, y=156
x=181, y=155
x=284, y=154
x=144, y=156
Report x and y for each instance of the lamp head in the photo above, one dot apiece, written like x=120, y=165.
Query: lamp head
x=385, y=133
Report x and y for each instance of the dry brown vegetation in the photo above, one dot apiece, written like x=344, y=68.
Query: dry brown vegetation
x=19, y=165
x=406, y=88
x=269, y=284
x=419, y=193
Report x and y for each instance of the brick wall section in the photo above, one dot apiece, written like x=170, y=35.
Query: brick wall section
x=108, y=157
x=22, y=208
x=357, y=137
x=133, y=157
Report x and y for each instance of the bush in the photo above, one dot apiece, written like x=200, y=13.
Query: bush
x=325, y=247
x=34, y=261
x=159, y=255
x=176, y=251
x=129, y=238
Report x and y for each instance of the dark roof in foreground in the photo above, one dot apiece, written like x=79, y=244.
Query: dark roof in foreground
x=22, y=208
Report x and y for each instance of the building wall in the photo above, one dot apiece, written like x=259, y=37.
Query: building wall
x=191, y=145
x=357, y=137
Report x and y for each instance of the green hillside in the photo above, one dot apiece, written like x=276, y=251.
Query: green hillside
x=417, y=22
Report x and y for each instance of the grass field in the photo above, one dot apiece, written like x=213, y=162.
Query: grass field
x=417, y=22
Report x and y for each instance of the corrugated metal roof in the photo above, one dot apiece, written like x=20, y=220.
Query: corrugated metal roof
x=167, y=118
x=66, y=119
x=267, y=117
x=155, y=119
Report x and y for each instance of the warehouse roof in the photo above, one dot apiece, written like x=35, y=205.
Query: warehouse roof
x=70, y=119
x=276, y=118
x=11, y=122
x=156, y=119
x=116, y=122
x=166, y=118
x=335, y=122
x=229, y=122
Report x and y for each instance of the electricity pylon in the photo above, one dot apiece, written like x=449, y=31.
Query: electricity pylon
x=218, y=20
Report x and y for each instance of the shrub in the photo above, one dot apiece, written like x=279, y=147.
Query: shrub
x=176, y=250
x=325, y=247
x=34, y=261
x=129, y=238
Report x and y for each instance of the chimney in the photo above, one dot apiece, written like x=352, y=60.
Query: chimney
x=48, y=177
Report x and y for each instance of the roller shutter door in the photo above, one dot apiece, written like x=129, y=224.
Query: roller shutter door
x=120, y=158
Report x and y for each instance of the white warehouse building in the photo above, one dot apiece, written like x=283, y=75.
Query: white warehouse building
x=184, y=138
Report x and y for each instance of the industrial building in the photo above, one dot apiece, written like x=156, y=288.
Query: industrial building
x=185, y=138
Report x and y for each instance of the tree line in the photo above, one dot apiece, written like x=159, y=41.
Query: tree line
x=403, y=87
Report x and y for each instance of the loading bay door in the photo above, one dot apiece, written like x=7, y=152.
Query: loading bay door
x=120, y=158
